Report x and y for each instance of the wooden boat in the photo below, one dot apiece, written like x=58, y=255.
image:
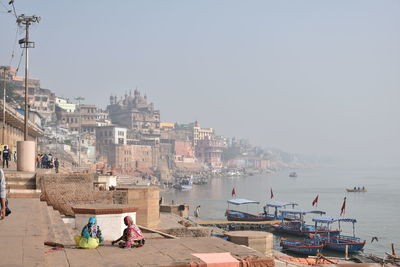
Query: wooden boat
x=357, y=190
x=305, y=247
x=275, y=205
x=293, y=223
x=236, y=215
x=338, y=242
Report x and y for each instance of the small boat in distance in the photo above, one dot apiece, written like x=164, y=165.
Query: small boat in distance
x=357, y=189
x=184, y=184
x=293, y=174
x=305, y=247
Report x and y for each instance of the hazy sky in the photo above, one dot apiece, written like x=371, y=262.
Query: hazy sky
x=310, y=77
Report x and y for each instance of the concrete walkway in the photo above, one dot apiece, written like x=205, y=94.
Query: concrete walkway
x=22, y=234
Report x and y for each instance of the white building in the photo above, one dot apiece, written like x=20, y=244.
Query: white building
x=65, y=105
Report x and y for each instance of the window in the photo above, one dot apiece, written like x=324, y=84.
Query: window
x=37, y=98
x=44, y=99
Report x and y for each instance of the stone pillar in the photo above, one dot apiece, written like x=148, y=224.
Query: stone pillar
x=26, y=156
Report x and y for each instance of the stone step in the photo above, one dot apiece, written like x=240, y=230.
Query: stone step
x=24, y=193
x=19, y=175
x=56, y=258
x=59, y=228
x=14, y=182
x=21, y=186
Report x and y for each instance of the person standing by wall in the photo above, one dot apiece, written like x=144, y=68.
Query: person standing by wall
x=6, y=156
x=56, y=165
x=2, y=194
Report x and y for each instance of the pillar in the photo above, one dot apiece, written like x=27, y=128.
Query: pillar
x=26, y=156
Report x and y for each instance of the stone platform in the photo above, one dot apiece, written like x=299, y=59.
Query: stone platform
x=32, y=222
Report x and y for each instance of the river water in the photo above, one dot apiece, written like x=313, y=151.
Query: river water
x=377, y=211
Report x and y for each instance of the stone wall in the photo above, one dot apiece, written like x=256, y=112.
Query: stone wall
x=65, y=190
x=146, y=199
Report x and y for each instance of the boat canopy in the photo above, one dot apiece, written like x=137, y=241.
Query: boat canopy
x=278, y=204
x=241, y=201
x=328, y=219
x=301, y=212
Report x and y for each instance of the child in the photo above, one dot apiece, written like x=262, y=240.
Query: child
x=132, y=235
x=91, y=235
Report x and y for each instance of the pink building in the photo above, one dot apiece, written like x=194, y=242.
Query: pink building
x=209, y=152
x=184, y=151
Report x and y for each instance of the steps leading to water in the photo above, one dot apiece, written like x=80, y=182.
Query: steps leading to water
x=21, y=184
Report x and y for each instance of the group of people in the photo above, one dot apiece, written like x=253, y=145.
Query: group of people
x=7, y=156
x=47, y=161
x=91, y=235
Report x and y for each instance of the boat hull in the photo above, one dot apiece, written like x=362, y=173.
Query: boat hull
x=296, y=228
x=234, y=215
x=305, y=247
x=356, y=190
x=339, y=243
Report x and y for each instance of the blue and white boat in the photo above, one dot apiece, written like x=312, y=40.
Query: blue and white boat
x=293, y=223
x=275, y=205
x=305, y=247
x=236, y=215
x=338, y=242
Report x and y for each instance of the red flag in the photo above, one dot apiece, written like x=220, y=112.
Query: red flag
x=315, y=201
x=342, y=210
x=272, y=194
x=233, y=192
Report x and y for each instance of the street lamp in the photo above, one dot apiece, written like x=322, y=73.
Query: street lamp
x=25, y=43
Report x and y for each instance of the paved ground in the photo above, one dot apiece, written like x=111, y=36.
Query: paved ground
x=22, y=234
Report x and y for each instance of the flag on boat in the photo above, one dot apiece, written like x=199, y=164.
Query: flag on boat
x=233, y=192
x=272, y=194
x=342, y=210
x=315, y=201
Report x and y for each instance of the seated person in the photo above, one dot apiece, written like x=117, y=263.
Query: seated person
x=132, y=235
x=91, y=235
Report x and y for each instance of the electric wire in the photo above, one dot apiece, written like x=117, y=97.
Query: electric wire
x=4, y=7
x=15, y=45
x=19, y=63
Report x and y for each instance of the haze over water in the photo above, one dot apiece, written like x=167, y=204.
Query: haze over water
x=377, y=210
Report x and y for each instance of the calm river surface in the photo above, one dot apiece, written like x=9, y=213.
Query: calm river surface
x=377, y=211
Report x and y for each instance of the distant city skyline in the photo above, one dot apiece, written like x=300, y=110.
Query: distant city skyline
x=307, y=77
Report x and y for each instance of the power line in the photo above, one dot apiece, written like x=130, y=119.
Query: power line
x=19, y=63
x=15, y=44
x=4, y=7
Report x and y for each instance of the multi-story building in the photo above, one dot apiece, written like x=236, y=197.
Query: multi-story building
x=39, y=99
x=209, y=152
x=201, y=133
x=184, y=151
x=83, y=117
x=137, y=115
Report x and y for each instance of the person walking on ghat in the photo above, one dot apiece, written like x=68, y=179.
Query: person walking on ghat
x=197, y=212
x=56, y=165
x=2, y=194
x=6, y=156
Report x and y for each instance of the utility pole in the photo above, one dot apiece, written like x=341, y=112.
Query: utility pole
x=26, y=21
x=79, y=98
x=5, y=69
